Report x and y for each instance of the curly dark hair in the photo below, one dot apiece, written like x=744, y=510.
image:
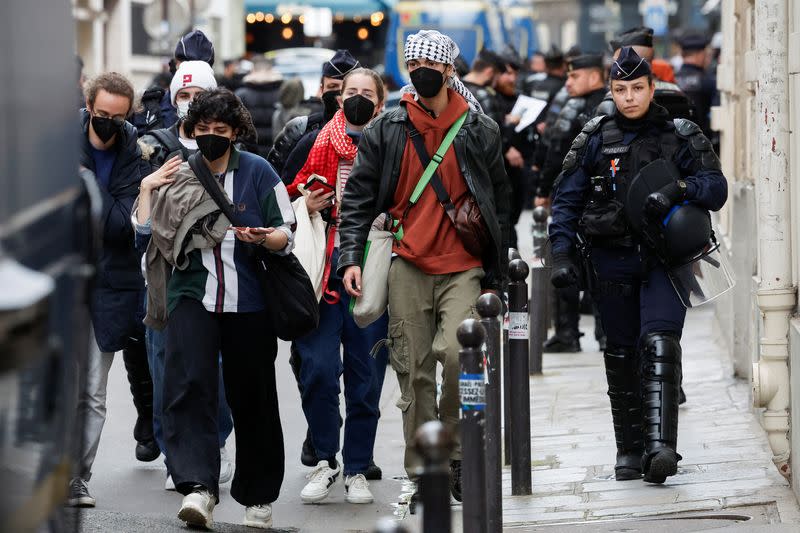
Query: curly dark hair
x=220, y=105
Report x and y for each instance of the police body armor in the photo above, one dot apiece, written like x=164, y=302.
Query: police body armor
x=621, y=180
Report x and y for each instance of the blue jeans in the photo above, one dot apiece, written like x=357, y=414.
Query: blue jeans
x=321, y=367
x=156, y=341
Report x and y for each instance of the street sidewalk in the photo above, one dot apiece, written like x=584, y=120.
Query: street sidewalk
x=726, y=463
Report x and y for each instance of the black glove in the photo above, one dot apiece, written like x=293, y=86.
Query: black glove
x=564, y=273
x=658, y=204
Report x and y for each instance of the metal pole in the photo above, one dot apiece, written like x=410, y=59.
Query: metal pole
x=539, y=231
x=434, y=444
x=520, y=383
x=540, y=287
x=472, y=390
x=512, y=254
x=489, y=307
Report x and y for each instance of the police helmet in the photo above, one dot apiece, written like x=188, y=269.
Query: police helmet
x=687, y=233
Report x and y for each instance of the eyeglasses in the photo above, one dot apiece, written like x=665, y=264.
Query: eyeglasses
x=118, y=120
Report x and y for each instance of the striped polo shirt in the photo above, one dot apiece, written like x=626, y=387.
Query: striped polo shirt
x=223, y=278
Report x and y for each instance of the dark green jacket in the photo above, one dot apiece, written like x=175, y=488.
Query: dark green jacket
x=371, y=186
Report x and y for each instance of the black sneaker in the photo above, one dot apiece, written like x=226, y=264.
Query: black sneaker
x=373, y=472
x=147, y=451
x=661, y=465
x=455, y=479
x=79, y=494
x=557, y=345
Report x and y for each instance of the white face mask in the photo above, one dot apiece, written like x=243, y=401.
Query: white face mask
x=183, y=108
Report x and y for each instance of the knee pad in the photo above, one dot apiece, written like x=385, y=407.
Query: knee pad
x=661, y=357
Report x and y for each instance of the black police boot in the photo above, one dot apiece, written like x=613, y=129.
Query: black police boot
x=567, y=311
x=626, y=410
x=661, y=377
x=134, y=356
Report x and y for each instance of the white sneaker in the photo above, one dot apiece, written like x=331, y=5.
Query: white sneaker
x=259, y=516
x=197, y=507
x=322, y=477
x=225, y=466
x=169, y=484
x=356, y=489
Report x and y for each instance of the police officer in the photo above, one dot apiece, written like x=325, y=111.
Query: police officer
x=485, y=68
x=545, y=85
x=641, y=311
x=586, y=87
x=668, y=95
x=692, y=77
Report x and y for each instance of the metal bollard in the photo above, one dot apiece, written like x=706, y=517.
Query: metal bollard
x=472, y=391
x=520, y=384
x=489, y=308
x=387, y=525
x=512, y=254
x=537, y=307
x=539, y=230
x=434, y=444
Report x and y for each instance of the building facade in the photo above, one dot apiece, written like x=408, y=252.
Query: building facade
x=759, y=121
x=135, y=37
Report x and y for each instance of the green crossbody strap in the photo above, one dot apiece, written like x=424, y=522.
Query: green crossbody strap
x=425, y=179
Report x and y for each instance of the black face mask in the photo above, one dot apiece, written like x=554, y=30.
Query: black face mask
x=105, y=127
x=212, y=146
x=330, y=103
x=427, y=81
x=358, y=110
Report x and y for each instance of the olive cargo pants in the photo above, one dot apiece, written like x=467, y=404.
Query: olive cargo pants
x=424, y=313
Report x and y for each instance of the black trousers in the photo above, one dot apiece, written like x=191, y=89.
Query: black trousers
x=195, y=337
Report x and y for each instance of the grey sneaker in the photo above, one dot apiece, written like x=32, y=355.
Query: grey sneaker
x=79, y=494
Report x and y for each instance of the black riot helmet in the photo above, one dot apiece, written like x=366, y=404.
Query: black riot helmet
x=687, y=233
x=684, y=233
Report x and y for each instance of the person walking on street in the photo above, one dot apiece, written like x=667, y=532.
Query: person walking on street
x=699, y=85
x=158, y=147
x=586, y=87
x=639, y=245
x=215, y=304
x=260, y=93
x=109, y=150
x=321, y=363
x=158, y=110
x=433, y=280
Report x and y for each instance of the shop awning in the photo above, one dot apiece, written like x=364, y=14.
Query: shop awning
x=346, y=8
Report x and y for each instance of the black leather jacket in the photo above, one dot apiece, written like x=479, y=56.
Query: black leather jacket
x=372, y=183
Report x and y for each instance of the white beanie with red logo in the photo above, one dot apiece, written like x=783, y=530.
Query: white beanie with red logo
x=192, y=74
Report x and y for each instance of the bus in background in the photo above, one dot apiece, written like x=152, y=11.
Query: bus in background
x=46, y=239
x=520, y=25
x=473, y=24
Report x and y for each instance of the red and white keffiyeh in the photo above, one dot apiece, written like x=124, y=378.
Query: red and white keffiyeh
x=332, y=144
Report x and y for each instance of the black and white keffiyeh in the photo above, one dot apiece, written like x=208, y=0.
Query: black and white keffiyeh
x=435, y=46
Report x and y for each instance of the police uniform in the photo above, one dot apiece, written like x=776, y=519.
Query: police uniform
x=573, y=116
x=699, y=86
x=668, y=95
x=642, y=314
x=545, y=85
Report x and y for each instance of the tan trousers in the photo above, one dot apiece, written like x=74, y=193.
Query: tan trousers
x=424, y=313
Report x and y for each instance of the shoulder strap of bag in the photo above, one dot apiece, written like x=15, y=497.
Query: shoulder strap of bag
x=211, y=186
x=170, y=142
x=430, y=175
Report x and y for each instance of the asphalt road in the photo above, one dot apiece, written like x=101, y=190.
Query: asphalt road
x=131, y=497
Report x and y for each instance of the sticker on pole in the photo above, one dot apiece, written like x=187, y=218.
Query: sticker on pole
x=472, y=391
x=518, y=326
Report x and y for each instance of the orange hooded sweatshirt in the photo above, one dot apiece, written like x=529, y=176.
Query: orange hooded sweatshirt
x=430, y=240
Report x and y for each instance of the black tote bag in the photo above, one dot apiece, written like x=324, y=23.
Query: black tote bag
x=289, y=297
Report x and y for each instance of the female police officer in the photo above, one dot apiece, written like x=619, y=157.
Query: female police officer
x=641, y=311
